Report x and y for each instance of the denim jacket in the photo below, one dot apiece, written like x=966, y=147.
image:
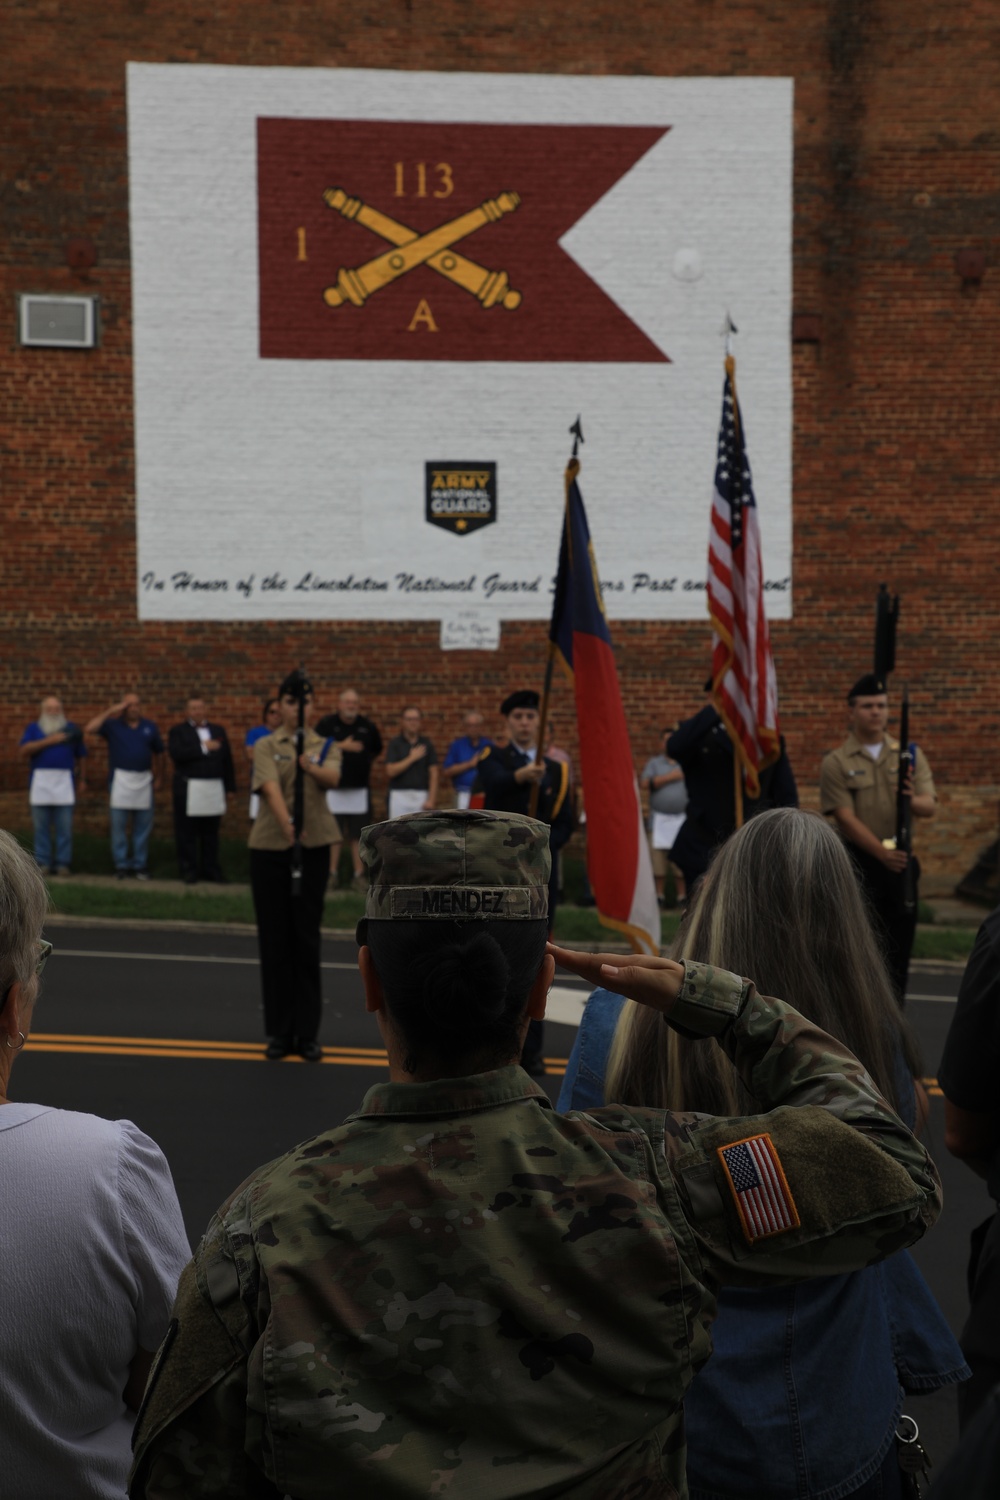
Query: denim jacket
x=802, y=1394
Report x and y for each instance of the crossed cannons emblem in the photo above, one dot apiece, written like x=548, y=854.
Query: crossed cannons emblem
x=412, y=249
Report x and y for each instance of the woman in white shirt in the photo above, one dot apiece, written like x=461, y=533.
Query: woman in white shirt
x=91, y=1247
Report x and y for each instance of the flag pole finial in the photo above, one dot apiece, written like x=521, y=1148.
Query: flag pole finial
x=577, y=434
x=727, y=331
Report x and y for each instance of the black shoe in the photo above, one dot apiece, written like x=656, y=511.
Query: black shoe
x=190, y=879
x=277, y=1048
x=309, y=1051
x=121, y=874
x=218, y=879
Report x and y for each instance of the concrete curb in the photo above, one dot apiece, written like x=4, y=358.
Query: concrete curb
x=342, y=934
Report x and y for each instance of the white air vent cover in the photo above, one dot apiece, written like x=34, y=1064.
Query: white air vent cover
x=58, y=322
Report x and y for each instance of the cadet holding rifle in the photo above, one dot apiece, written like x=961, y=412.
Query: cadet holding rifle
x=289, y=867
x=861, y=788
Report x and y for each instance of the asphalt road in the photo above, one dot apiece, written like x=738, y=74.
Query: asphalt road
x=163, y=1026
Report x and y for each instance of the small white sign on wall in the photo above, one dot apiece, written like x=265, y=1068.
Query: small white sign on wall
x=470, y=630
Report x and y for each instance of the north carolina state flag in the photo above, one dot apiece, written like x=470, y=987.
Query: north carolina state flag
x=618, y=860
x=334, y=196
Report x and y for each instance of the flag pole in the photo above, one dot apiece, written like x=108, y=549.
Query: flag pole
x=536, y=786
x=572, y=469
x=730, y=329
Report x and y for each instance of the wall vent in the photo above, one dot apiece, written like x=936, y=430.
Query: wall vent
x=58, y=322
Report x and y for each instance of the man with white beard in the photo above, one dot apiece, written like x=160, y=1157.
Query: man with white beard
x=55, y=748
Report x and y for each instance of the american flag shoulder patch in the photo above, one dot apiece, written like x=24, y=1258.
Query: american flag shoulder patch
x=759, y=1187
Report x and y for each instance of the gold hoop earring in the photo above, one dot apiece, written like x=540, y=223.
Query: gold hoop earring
x=19, y=1045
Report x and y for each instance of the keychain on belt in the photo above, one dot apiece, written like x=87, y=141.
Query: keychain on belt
x=912, y=1456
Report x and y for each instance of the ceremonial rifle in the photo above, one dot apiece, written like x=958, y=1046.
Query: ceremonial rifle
x=904, y=808
x=886, y=620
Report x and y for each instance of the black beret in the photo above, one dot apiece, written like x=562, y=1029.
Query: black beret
x=523, y=698
x=868, y=686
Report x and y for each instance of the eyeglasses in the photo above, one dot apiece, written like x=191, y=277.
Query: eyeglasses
x=45, y=950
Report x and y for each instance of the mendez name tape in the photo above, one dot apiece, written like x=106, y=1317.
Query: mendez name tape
x=501, y=902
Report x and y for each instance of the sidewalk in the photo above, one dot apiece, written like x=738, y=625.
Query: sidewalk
x=172, y=886
x=949, y=911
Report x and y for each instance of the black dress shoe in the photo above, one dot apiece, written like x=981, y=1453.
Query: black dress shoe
x=277, y=1048
x=310, y=1051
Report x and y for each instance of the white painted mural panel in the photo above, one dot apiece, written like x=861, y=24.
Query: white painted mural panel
x=368, y=306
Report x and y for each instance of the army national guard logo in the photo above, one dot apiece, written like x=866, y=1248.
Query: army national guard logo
x=461, y=497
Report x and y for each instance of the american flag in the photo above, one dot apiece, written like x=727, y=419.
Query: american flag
x=744, y=685
x=758, y=1184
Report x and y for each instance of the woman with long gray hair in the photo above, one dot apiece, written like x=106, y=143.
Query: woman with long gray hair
x=803, y=1392
x=91, y=1243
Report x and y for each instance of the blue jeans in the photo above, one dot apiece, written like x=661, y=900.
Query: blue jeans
x=53, y=836
x=886, y=1484
x=142, y=827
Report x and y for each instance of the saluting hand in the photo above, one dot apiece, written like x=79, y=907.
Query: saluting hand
x=651, y=981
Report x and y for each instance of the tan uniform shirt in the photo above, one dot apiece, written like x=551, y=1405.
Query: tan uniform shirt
x=850, y=778
x=274, y=760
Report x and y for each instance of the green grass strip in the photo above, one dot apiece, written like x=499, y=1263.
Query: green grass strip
x=951, y=943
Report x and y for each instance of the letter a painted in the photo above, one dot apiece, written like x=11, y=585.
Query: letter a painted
x=423, y=315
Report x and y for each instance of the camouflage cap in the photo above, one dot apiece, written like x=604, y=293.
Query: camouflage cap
x=457, y=865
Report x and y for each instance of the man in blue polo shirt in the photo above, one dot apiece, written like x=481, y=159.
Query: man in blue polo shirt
x=55, y=748
x=462, y=758
x=134, y=773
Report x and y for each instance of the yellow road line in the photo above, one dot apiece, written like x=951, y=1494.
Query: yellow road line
x=86, y=1037
x=150, y=1046
x=125, y=1046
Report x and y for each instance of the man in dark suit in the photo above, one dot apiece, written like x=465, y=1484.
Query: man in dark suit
x=203, y=775
x=703, y=750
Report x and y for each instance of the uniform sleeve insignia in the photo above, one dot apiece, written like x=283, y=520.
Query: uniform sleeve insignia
x=759, y=1187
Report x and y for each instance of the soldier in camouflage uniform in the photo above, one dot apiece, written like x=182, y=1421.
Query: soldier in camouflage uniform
x=460, y=1292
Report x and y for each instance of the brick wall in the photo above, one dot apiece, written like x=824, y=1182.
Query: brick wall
x=897, y=168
